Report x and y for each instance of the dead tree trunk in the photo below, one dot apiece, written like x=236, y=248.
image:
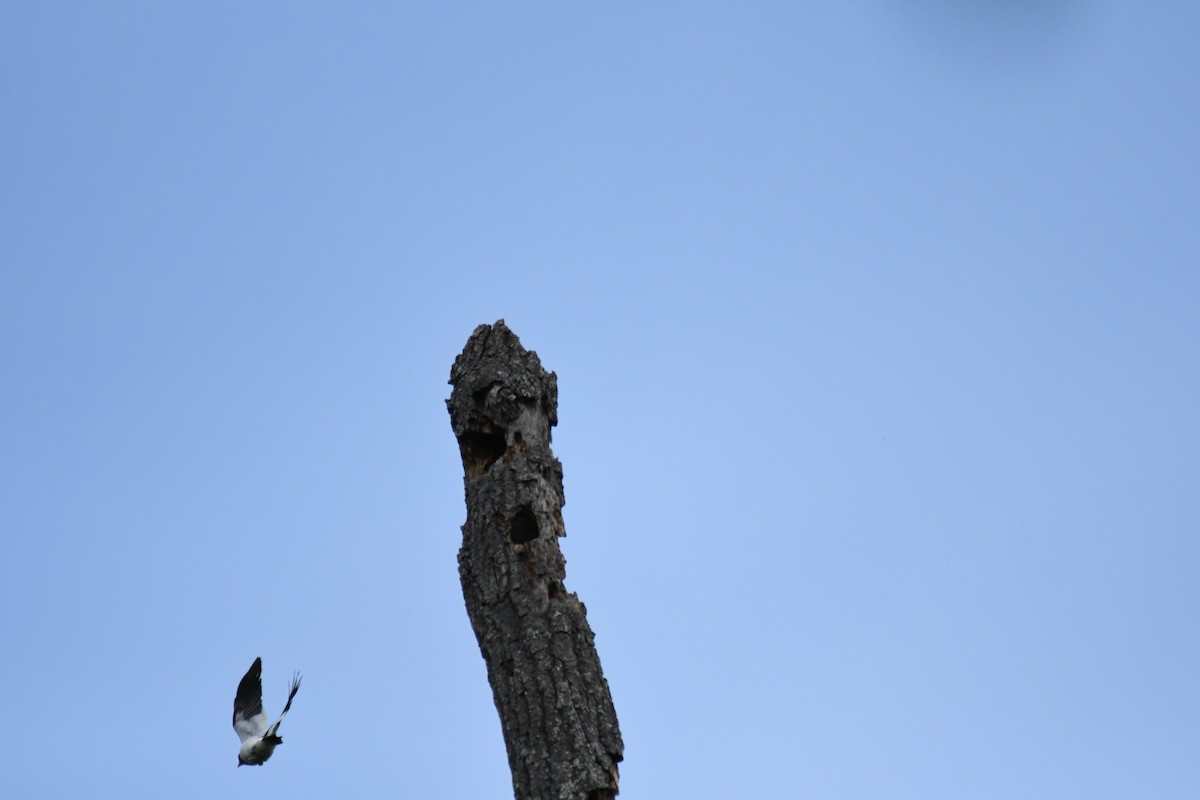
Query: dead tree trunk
x=559, y=723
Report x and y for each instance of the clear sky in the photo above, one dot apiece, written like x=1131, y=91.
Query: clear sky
x=876, y=327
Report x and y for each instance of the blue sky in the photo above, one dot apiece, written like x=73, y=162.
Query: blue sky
x=876, y=328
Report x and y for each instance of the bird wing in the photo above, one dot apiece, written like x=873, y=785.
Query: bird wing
x=292, y=693
x=249, y=719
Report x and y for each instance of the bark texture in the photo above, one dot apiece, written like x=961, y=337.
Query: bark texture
x=560, y=727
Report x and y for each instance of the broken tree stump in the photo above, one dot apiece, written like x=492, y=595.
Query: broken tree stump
x=560, y=727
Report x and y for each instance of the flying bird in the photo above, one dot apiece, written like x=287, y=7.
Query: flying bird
x=250, y=721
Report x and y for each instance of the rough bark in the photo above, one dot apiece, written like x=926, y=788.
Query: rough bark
x=560, y=727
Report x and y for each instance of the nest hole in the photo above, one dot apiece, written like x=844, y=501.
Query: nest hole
x=481, y=449
x=523, y=527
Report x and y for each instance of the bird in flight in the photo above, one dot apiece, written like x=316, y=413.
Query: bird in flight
x=250, y=721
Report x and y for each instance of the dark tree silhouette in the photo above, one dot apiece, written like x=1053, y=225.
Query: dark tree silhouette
x=560, y=727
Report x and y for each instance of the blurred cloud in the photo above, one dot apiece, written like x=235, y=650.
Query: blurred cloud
x=1008, y=19
x=1011, y=38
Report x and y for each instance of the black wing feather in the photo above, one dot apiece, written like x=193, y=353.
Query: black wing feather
x=248, y=702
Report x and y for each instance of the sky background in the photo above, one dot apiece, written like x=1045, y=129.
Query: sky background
x=876, y=327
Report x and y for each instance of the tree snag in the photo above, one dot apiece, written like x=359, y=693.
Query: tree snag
x=560, y=727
